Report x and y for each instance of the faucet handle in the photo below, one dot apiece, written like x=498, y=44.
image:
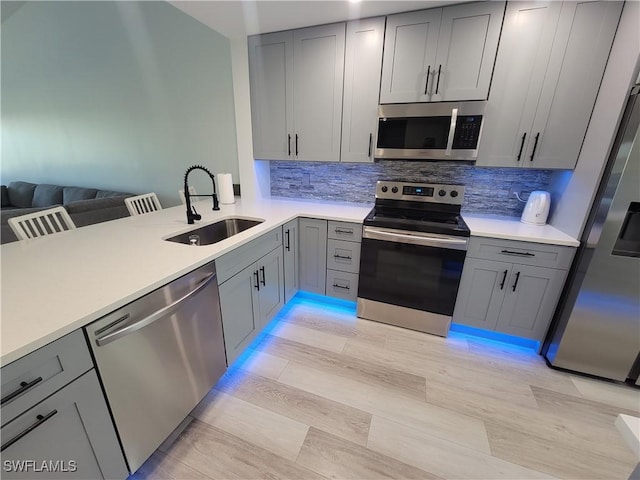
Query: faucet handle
x=195, y=215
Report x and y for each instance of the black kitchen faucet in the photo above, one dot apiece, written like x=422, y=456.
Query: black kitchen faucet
x=192, y=215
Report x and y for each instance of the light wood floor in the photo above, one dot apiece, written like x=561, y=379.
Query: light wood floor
x=324, y=394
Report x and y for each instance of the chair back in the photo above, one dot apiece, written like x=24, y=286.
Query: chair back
x=192, y=192
x=142, y=204
x=41, y=223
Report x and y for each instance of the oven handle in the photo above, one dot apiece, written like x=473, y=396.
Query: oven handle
x=452, y=130
x=422, y=239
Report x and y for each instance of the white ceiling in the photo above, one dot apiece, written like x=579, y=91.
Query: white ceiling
x=247, y=17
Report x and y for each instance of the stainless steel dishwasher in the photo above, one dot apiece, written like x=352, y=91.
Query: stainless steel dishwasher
x=157, y=358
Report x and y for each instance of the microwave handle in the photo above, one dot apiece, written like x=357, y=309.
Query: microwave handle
x=452, y=131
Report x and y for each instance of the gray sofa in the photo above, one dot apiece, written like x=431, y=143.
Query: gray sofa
x=86, y=206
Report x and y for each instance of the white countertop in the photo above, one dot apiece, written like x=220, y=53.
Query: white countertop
x=629, y=427
x=510, y=228
x=53, y=285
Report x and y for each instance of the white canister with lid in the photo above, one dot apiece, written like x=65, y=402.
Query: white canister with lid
x=536, y=210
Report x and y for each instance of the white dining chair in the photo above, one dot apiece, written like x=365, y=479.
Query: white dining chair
x=41, y=223
x=141, y=204
x=192, y=192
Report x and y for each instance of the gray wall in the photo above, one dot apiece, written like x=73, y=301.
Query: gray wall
x=117, y=95
x=487, y=189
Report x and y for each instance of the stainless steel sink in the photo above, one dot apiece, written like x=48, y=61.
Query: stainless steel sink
x=215, y=232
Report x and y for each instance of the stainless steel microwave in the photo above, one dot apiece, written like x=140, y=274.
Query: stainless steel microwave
x=430, y=131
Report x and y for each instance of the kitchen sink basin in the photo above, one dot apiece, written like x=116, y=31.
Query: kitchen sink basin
x=214, y=232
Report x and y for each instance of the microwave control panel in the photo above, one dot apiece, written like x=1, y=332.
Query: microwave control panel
x=467, y=132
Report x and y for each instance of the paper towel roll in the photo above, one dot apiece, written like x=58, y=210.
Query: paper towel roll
x=225, y=188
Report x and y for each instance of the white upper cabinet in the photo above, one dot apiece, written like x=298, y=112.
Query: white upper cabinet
x=318, y=58
x=271, y=81
x=443, y=54
x=548, y=71
x=363, y=62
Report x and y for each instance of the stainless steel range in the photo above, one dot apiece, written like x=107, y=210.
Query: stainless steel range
x=414, y=244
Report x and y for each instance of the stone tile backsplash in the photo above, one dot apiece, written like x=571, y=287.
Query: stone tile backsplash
x=487, y=189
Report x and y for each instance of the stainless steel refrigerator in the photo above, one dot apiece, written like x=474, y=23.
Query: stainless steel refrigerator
x=596, y=327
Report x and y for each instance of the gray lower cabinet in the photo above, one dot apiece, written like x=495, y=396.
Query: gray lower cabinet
x=291, y=250
x=68, y=435
x=249, y=300
x=511, y=287
x=343, y=259
x=313, y=255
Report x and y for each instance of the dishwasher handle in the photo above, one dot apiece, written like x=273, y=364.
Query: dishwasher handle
x=163, y=312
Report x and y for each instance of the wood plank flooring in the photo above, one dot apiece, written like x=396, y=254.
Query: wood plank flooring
x=324, y=394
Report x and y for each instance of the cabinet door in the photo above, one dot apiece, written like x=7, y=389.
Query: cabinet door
x=576, y=66
x=290, y=238
x=239, y=306
x=527, y=37
x=467, y=47
x=318, y=57
x=482, y=290
x=71, y=433
x=532, y=294
x=363, y=61
x=271, y=293
x=271, y=81
x=410, y=45
x=313, y=255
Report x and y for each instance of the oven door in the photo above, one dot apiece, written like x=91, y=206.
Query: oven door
x=411, y=269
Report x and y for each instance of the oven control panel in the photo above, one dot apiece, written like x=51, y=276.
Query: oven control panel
x=420, y=192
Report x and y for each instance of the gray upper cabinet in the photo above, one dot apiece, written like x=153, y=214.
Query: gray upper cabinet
x=363, y=62
x=296, y=80
x=318, y=57
x=271, y=81
x=443, y=54
x=547, y=74
x=291, y=249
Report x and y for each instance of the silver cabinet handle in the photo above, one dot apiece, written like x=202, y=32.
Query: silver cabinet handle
x=438, y=81
x=335, y=285
x=370, y=144
x=341, y=257
x=452, y=131
x=163, y=312
x=345, y=232
x=24, y=386
x=40, y=419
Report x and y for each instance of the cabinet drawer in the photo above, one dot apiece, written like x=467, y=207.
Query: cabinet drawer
x=342, y=285
x=343, y=256
x=523, y=253
x=71, y=430
x=240, y=258
x=34, y=377
x=344, y=231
